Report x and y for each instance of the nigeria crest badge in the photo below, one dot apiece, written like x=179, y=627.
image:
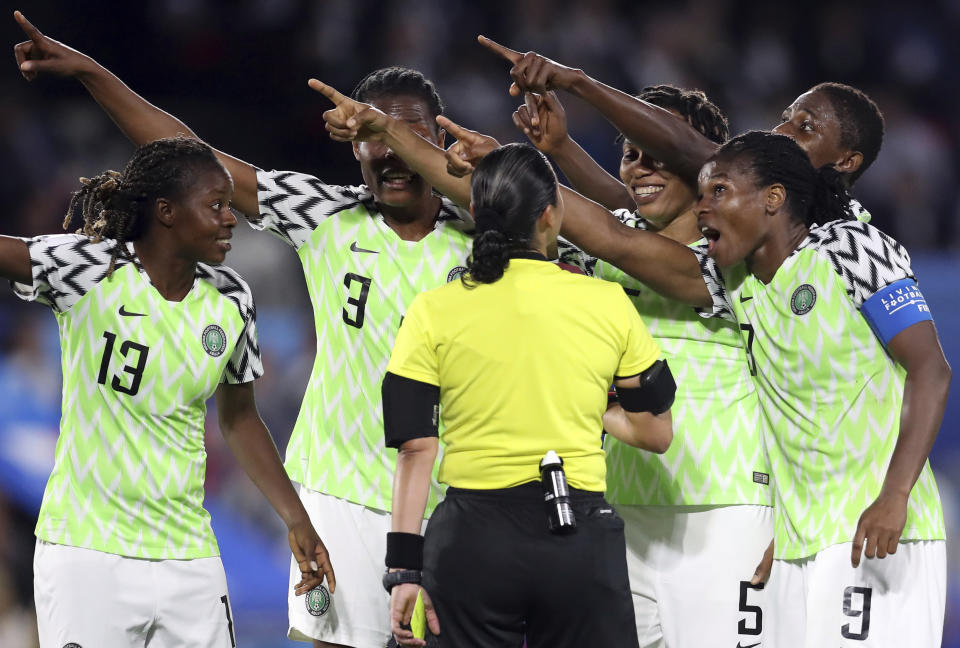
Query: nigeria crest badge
x=214, y=340
x=318, y=601
x=803, y=299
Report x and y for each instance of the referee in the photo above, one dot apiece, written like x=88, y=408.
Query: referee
x=520, y=354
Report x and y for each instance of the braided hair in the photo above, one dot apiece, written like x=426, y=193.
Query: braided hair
x=117, y=205
x=813, y=195
x=861, y=122
x=693, y=106
x=399, y=81
x=509, y=190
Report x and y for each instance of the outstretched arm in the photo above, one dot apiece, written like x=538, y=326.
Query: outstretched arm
x=256, y=453
x=583, y=172
x=140, y=121
x=668, y=267
x=657, y=131
x=15, y=260
x=917, y=349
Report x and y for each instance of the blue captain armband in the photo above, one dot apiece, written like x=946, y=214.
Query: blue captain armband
x=894, y=308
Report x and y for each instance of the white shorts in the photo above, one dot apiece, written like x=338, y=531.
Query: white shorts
x=690, y=569
x=893, y=602
x=358, y=614
x=92, y=599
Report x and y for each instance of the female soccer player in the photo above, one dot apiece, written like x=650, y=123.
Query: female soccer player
x=853, y=382
x=853, y=385
x=149, y=330
x=519, y=355
x=366, y=250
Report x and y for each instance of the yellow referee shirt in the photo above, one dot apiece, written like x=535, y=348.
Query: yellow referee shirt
x=523, y=365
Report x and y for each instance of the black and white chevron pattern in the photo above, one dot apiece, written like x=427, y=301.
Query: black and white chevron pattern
x=866, y=258
x=292, y=204
x=65, y=268
x=245, y=365
x=713, y=278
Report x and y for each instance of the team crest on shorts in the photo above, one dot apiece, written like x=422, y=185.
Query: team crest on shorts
x=456, y=272
x=317, y=601
x=803, y=299
x=214, y=340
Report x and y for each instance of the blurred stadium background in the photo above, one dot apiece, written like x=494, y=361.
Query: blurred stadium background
x=236, y=73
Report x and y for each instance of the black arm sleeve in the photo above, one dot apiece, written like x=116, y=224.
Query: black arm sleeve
x=411, y=409
x=655, y=393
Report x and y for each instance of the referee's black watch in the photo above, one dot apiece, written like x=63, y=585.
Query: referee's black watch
x=390, y=579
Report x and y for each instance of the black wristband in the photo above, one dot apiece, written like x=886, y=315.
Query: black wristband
x=392, y=579
x=404, y=550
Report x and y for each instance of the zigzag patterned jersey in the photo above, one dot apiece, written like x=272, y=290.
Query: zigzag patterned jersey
x=828, y=390
x=717, y=455
x=361, y=277
x=137, y=371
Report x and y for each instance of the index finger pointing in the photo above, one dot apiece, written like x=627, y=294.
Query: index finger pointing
x=454, y=129
x=330, y=93
x=511, y=55
x=32, y=32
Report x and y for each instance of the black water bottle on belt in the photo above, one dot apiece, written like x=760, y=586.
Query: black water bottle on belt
x=556, y=495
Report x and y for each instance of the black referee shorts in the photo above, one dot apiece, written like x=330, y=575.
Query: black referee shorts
x=496, y=573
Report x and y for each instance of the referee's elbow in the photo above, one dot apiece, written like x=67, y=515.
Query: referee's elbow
x=660, y=433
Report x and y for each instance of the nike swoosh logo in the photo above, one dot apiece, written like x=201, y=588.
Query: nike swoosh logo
x=356, y=248
x=125, y=313
x=742, y=300
x=750, y=646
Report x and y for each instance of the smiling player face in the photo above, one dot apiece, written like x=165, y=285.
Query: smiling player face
x=392, y=182
x=205, y=222
x=660, y=196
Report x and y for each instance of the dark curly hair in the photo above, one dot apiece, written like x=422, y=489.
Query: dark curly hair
x=693, y=106
x=117, y=205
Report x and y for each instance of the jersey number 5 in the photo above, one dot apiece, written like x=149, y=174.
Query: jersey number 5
x=135, y=370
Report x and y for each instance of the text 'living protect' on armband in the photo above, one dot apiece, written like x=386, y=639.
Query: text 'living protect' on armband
x=894, y=308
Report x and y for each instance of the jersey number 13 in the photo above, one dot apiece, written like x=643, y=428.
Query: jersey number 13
x=136, y=355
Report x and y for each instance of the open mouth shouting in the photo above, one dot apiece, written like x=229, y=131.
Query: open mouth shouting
x=712, y=237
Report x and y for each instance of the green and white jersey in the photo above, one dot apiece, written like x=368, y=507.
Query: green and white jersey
x=137, y=372
x=829, y=392
x=717, y=455
x=361, y=277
